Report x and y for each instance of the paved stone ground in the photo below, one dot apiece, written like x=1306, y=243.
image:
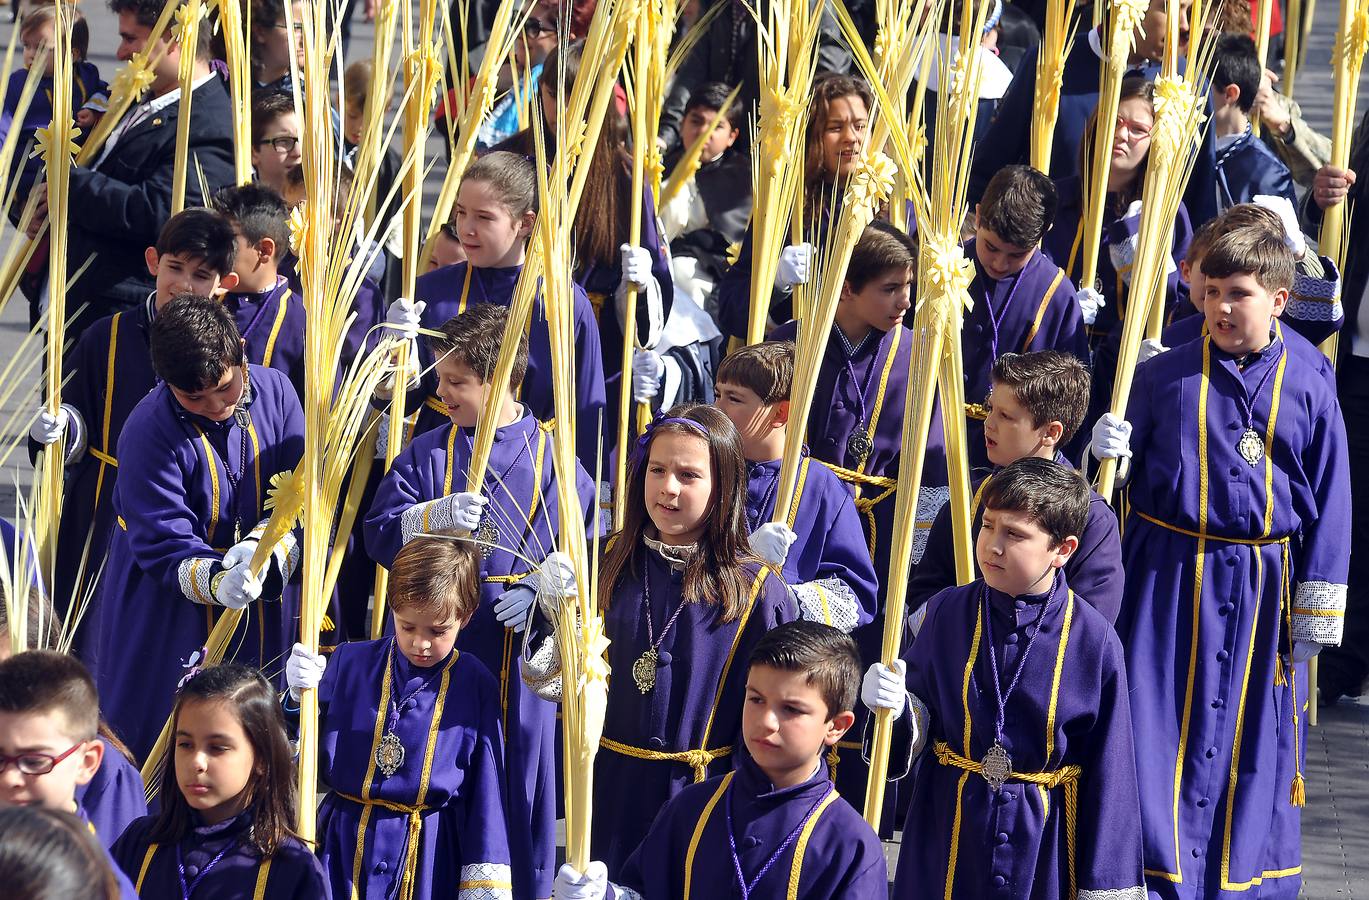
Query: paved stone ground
x=1336, y=822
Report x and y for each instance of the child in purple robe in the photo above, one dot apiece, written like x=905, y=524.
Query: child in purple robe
x=1015, y=705
x=196, y=461
x=1022, y=301
x=50, y=853
x=111, y=371
x=1037, y=403
x=684, y=603
x=515, y=517
x=226, y=827
x=1236, y=549
x=49, y=735
x=774, y=827
x=410, y=743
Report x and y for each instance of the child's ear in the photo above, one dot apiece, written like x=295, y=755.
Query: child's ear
x=1280, y=301
x=1064, y=551
x=1051, y=433
x=267, y=248
x=91, y=757
x=1184, y=270
x=779, y=414
x=150, y=255
x=846, y=292
x=227, y=282
x=840, y=724
x=525, y=226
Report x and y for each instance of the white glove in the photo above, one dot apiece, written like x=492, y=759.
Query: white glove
x=240, y=553
x=555, y=582
x=1111, y=437
x=885, y=688
x=1150, y=348
x=1293, y=237
x=771, y=542
x=571, y=885
x=647, y=369
x=466, y=508
x=795, y=262
x=511, y=609
x=404, y=317
x=1090, y=301
x=237, y=587
x=48, y=428
x=1305, y=650
x=916, y=618
x=303, y=670
x=636, y=265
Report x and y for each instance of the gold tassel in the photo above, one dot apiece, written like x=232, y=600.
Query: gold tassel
x=1298, y=794
x=833, y=758
x=1279, y=679
x=326, y=625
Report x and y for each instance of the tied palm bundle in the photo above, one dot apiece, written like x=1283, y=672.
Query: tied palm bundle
x=185, y=33
x=1056, y=41
x=234, y=32
x=1121, y=37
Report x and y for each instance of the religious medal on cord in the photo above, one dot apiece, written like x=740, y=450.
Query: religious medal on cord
x=644, y=669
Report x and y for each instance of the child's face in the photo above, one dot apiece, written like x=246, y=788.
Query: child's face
x=696, y=122
x=424, y=638
x=37, y=38
x=462, y=390
x=1015, y=553
x=538, y=37
x=271, y=162
x=755, y=419
x=276, y=43
x=843, y=135
x=447, y=249
x=884, y=300
x=217, y=402
x=1010, y=435
x=786, y=724
x=353, y=120
x=999, y=258
x=214, y=759
x=45, y=734
x=679, y=486
x=178, y=273
x=1131, y=138
x=1240, y=312
x=1192, y=272
x=489, y=233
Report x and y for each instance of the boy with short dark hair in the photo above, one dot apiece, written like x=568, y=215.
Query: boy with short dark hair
x=802, y=839
x=196, y=461
x=1021, y=300
x=1037, y=404
x=111, y=370
x=1246, y=167
x=1019, y=693
x=515, y=519
x=275, y=137
x=1239, y=496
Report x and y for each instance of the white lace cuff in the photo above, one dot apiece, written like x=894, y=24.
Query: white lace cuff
x=929, y=503
x=195, y=574
x=425, y=518
x=485, y=881
x=830, y=601
x=921, y=722
x=1319, y=612
x=286, y=553
x=1127, y=893
x=1315, y=299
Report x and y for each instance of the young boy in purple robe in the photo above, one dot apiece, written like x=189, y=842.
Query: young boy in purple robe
x=1236, y=550
x=773, y=827
x=684, y=604
x=410, y=743
x=1037, y=403
x=49, y=736
x=1022, y=301
x=515, y=518
x=226, y=826
x=269, y=313
x=1014, y=702
x=196, y=460
x=111, y=371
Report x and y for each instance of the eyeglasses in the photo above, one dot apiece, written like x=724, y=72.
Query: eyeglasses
x=449, y=229
x=283, y=144
x=297, y=28
x=36, y=763
x=1134, y=131
x=534, y=27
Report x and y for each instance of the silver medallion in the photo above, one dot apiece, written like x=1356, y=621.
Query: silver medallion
x=1250, y=446
x=644, y=671
x=487, y=536
x=390, y=754
x=859, y=445
x=242, y=416
x=996, y=767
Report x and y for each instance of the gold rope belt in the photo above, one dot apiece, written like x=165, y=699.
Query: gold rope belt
x=415, y=814
x=1249, y=542
x=866, y=505
x=1065, y=776
x=698, y=760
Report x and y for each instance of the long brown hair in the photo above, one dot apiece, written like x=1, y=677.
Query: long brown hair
x=714, y=575
x=826, y=90
x=1133, y=86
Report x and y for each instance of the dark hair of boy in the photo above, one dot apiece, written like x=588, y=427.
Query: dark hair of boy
x=438, y=575
x=76, y=24
x=50, y=854
x=1053, y=496
x=194, y=340
x=200, y=234
x=766, y=369
x=1251, y=249
x=148, y=11
x=825, y=654
x=43, y=681
x=268, y=105
x=475, y=338
x=1019, y=205
x=710, y=97
x=1201, y=240
x=271, y=792
x=258, y=211
x=881, y=247
x=1052, y=386
x=1238, y=63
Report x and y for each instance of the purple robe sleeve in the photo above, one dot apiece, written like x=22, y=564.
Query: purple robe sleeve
x=833, y=579
x=1095, y=569
x=402, y=488
x=114, y=797
x=589, y=380
x=479, y=818
x=1314, y=307
x=936, y=570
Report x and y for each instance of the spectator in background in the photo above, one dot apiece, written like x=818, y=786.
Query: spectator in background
x=275, y=137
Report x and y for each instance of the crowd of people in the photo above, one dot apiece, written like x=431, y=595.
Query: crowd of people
x=1109, y=701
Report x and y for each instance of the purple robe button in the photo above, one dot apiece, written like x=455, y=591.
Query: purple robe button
x=1202, y=803
x=656, y=743
x=1020, y=604
x=662, y=659
x=1217, y=704
x=382, y=867
x=1223, y=656
x=1235, y=470
x=192, y=871
x=1011, y=639
x=999, y=881
x=1211, y=752
x=410, y=703
x=751, y=842
x=1226, y=608
x=1197, y=853
x=1002, y=837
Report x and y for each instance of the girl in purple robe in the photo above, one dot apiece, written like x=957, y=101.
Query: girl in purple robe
x=226, y=825
x=1015, y=700
x=684, y=602
x=410, y=743
x=196, y=459
x=1236, y=550
x=427, y=489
